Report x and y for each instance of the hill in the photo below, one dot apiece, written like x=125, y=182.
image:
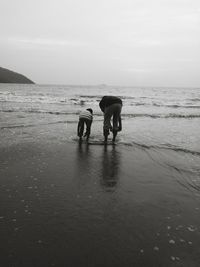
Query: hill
x=8, y=76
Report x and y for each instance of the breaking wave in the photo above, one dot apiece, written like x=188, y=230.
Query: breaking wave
x=36, y=125
x=98, y=114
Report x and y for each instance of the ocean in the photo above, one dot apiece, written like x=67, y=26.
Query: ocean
x=158, y=117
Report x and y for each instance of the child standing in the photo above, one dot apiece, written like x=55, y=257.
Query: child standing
x=85, y=118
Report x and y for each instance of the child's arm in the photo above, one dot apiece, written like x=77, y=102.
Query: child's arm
x=88, y=129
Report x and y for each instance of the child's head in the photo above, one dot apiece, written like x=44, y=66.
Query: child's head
x=90, y=110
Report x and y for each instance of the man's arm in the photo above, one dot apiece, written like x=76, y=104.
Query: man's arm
x=78, y=128
x=120, y=124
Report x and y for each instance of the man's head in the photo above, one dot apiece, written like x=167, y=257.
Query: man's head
x=90, y=110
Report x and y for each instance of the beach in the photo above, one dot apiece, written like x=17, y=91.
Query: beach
x=136, y=203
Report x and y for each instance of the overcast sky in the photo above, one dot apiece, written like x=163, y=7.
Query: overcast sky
x=117, y=42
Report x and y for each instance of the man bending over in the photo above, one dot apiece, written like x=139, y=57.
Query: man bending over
x=111, y=106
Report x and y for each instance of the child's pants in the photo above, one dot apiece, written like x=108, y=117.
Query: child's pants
x=82, y=122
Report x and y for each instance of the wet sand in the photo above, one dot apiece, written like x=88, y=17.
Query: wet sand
x=66, y=204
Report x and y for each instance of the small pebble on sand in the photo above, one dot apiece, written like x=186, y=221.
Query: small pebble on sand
x=191, y=228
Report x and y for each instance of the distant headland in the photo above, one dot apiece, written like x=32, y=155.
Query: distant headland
x=8, y=76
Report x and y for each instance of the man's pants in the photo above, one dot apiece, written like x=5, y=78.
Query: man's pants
x=112, y=111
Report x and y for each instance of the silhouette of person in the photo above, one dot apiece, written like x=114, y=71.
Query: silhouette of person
x=111, y=107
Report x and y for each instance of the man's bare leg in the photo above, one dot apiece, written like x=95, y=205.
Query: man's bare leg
x=105, y=133
x=114, y=135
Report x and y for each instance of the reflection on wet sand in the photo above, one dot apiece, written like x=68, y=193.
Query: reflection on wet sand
x=84, y=156
x=83, y=151
x=105, y=167
x=110, y=167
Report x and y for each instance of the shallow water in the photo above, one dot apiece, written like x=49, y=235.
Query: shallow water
x=171, y=106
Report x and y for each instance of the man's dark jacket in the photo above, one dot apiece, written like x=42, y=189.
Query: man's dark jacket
x=107, y=101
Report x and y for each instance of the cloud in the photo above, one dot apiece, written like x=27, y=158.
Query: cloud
x=138, y=70
x=45, y=42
